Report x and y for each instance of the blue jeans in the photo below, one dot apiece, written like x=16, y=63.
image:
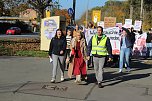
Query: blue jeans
x=124, y=57
x=149, y=49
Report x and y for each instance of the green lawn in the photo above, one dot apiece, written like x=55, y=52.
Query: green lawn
x=8, y=52
x=32, y=53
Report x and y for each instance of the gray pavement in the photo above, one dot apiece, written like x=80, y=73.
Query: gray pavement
x=28, y=79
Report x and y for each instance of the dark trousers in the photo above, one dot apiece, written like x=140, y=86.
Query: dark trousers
x=67, y=55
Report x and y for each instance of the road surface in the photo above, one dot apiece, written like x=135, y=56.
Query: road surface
x=28, y=79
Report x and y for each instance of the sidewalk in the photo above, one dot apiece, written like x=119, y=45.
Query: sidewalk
x=28, y=79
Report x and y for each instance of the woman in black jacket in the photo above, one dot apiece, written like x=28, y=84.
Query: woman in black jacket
x=125, y=49
x=149, y=43
x=56, y=52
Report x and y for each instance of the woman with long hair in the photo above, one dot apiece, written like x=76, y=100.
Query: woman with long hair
x=56, y=52
x=125, y=49
x=79, y=54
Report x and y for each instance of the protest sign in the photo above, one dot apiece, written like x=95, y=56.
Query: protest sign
x=137, y=25
x=89, y=33
x=96, y=15
x=112, y=33
x=119, y=25
x=128, y=23
x=100, y=23
x=139, y=48
x=109, y=22
x=114, y=36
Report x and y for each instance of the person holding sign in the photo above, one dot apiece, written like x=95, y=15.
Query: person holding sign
x=56, y=52
x=149, y=43
x=99, y=46
x=125, y=49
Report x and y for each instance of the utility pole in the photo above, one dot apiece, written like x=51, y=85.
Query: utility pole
x=131, y=10
x=141, y=11
x=87, y=13
x=74, y=3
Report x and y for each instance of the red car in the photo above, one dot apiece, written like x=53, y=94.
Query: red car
x=13, y=31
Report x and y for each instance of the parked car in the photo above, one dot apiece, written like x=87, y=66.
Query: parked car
x=13, y=31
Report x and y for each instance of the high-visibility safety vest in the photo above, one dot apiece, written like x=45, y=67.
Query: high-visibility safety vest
x=99, y=49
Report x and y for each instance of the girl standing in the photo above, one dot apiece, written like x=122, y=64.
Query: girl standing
x=68, y=40
x=56, y=52
x=125, y=49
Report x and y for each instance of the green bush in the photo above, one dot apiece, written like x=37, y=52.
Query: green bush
x=5, y=51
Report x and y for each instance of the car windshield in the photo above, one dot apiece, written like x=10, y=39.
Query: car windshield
x=13, y=28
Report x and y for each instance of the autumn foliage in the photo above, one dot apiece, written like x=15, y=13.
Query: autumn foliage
x=62, y=12
x=121, y=10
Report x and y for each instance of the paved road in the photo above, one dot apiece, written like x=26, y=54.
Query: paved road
x=28, y=79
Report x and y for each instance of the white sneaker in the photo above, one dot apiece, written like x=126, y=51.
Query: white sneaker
x=62, y=78
x=53, y=80
x=77, y=81
x=120, y=70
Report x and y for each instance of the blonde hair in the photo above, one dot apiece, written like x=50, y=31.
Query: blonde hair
x=79, y=32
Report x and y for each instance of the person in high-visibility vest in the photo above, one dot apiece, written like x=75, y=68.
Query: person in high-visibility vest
x=100, y=47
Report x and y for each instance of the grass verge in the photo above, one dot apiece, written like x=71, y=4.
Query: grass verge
x=5, y=51
x=32, y=53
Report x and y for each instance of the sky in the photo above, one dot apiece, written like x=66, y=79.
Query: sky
x=81, y=5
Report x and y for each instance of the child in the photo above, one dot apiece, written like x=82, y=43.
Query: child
x=67, y=53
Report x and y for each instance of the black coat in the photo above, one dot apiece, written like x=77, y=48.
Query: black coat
x=57, y=45
x=129, y=39
x=149, y=38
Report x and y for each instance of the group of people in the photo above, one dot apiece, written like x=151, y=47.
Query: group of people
x=72, y=52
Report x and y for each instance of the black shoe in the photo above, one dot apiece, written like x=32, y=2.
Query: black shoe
x=96, y=83
x=100, y=85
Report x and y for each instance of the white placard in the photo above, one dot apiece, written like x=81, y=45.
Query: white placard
x=128, y=23
x=100, y=23
x=137, y=25
x=119, y=25
x=89, y=33
x=139, y=48
x=114, y=36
